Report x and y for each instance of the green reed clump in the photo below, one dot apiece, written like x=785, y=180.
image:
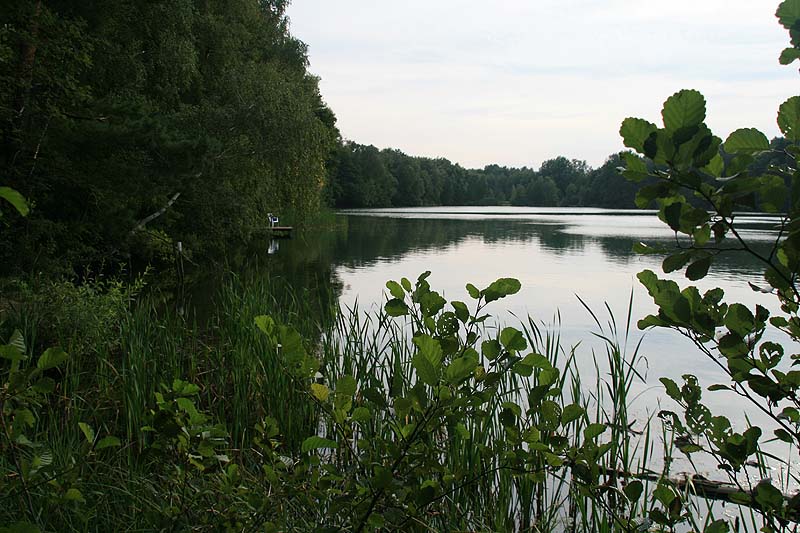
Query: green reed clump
x=422, y=415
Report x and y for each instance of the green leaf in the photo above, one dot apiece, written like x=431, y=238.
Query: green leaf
x=716, y=166
x=320, y=391
x=675, y=262
x=645, y=249
x=187, y=406
x=317, y=443
x=376, y=521
x=672, y=389
x=74, y=495
x=266, y=324
x=430, y=349
x=593, y=431
x=789, y=55
x=635, y=169
x=431, y=303
x=461, y=311
x=473, y=291
x=346, y=386
x=746, y=141
x=18, y=341
x=684, y=109
x=460, y=369
x=513, y=340
x=634, y=132
x=24, y=416
x=571, y=413
x=425, y=370
x=772, y=193
x=15, y=199
x=769, y=497
x=500, y=289
x=699, y=269
x=789, y=118
x=784, y=435
x=108, y=442
x=396, y=307
x=51, y=358
x=44, y=385
x=739, y=320
x=491, y=349
x=633, y=490
x=382, y=477
x=788, y=13
x=11, y=353
x=395, y=289
x=88, y=432
x=361, y=414
x=717, y=526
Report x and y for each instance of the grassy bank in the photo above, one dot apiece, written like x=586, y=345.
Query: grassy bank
x=281, y=414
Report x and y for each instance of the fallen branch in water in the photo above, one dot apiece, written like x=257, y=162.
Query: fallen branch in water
x=700, y=485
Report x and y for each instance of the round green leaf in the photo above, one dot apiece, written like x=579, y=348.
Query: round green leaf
x=684, y=109
x=789, y=118
x=395, y=289
x=788, y=13
x=698, y=269
x=51, y=358
x=635, y=131
x=396, y=307
x=746, y=141
x=789, y=55
x=500, y=289
x=317, y=443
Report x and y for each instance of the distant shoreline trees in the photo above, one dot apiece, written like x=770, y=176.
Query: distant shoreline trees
x=362, y=176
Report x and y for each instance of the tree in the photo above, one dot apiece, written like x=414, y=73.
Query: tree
x=128, y=104
x=689, y=162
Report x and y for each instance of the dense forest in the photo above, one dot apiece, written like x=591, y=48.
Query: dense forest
x=197, y=117
x=364, y=176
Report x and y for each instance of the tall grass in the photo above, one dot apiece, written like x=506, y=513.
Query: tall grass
x=111, y=382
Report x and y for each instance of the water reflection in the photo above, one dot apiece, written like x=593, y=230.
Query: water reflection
x=556, y=254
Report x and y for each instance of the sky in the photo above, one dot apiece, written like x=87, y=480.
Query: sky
x=517, y=82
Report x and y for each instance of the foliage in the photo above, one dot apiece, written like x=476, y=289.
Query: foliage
x=110, y=109
x=702, y=184
x=414, y=419
x=361, y=176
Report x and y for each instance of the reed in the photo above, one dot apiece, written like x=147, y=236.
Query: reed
x=111, y=385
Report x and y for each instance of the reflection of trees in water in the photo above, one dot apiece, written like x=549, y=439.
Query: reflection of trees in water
x=732, y=262
x=301, y=268
x=370, y=238
x=554, y=239
x=307, y=262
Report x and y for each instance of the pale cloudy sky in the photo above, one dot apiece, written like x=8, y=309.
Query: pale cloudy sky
x=517, y=82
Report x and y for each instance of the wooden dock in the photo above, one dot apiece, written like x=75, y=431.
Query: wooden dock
x=280, y=232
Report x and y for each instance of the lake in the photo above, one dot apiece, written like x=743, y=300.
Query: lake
x=558, y=254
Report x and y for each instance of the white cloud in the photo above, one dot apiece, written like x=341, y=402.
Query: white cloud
x=517, y=82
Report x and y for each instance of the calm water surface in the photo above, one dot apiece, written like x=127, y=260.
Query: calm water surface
x=557, y=254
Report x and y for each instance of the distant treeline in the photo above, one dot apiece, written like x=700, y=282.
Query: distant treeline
x=364, y=176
